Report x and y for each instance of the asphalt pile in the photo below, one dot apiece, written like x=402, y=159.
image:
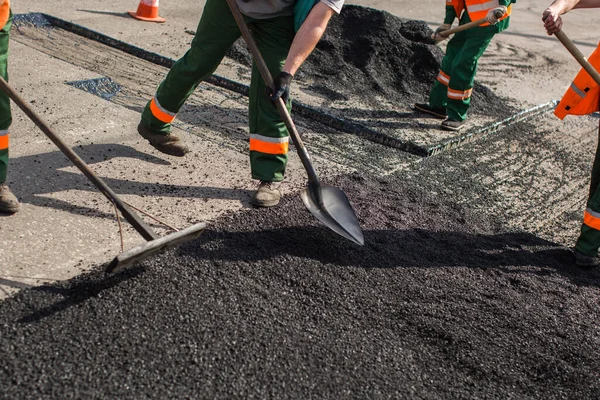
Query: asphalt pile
x=373, y=56
x=439, y=303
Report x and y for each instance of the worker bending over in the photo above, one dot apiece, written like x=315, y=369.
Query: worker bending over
x=450, y=96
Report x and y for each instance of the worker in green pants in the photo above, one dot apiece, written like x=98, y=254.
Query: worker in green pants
x=283, y=49
x=8, y=201
x=450, y=96
x=582, y=98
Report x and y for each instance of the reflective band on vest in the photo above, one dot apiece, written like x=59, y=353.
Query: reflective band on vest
x=160, y=113
x=459, y=6
x=478, y=9
x=269, y=145
x=4, y=12
x=591, y=219
x=583, y=96
x=459, y=94
x=3, y=140
x=443, y=78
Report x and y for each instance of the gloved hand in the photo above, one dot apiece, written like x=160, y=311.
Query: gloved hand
x=495, y=14
x=281, y=86
x=436, y=35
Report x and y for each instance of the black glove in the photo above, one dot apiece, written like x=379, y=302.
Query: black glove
x=281, y=86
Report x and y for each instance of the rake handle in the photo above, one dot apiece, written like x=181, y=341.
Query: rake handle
x=570, y=46
x=281, y=108
x=129, y=215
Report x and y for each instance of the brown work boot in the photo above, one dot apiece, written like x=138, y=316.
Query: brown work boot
x=267, y=194
x=450, y=124
x=167, y=143
x=9, y=203
x=438, y=112
x=585, y=261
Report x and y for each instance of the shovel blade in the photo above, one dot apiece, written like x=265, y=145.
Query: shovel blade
x=145, y=250
x=336, y=212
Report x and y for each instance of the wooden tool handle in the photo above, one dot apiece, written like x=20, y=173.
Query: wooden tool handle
x=266, y=75
x=468, y=25
x=560, y=35
x=129, y=215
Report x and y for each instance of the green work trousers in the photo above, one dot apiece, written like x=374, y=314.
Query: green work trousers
x=460, y=64
x=589, y=239
x=216, y=32
x=5, y=114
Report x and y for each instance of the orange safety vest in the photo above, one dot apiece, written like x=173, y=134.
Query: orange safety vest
x=583, y=95
x=4, y=12
x=477, y=9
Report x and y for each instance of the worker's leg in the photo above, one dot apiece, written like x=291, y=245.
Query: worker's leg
x=5, y=114
x=462, y=76
x=588, y=242
x=268, y=135
x=8, y=201
x=438, y=97
x=216, y=32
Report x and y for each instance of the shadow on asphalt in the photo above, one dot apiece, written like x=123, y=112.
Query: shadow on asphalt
x=32, y=177
x=516, y=254
x=76, y=293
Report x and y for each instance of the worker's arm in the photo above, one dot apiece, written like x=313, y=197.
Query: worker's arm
x=551, y=15
x=447, y=24
x=308, y=36
x=306, y=39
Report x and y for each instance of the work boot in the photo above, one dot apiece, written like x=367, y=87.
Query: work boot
x=9, y=203
x=583, y=261
x=167, y=143
x=450, y=124
x=267, y=194
x=438, y=112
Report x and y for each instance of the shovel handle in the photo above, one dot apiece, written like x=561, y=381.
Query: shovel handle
x=469, y=25
x=570, y=46
x=266, y=75
x=129, y=215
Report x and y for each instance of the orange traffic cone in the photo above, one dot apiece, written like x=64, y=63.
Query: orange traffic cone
x=147, y=11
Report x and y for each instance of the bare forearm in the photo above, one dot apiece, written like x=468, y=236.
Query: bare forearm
x=564, y=6
x=551, y=15
x=307, y=37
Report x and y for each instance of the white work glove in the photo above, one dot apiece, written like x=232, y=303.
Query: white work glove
x=436, y=35
x=495, y=14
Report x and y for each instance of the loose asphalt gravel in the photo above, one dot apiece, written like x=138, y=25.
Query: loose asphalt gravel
x=439, y=303
x=443, y=301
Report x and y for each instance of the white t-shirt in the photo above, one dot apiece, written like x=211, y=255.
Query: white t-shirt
x=263, y=9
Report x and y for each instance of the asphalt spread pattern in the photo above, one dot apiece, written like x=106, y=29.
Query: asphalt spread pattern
x=439, y=303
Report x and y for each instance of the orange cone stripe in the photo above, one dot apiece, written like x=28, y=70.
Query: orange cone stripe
x=459, y=94
x=443, y=78
x=160, y=113
x=268, y=145
x=3, y=140
x=591, y=219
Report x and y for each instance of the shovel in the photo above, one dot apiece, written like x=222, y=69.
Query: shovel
x=328, y=204
x=570, y=46
x=469, y=25
x=154, y=242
